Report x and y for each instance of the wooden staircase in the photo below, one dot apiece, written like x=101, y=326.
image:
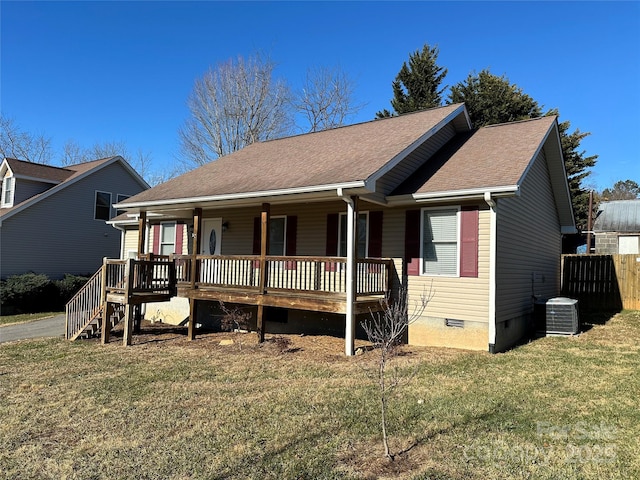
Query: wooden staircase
x=120, y=286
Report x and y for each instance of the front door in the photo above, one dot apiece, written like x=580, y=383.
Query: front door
x=210, y=245
x=211, y=236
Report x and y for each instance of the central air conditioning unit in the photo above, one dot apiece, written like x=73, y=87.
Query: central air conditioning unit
x=557, y=315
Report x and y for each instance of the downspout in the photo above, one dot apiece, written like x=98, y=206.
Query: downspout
x=350, y=318
x=493, y=241
x=121, y=240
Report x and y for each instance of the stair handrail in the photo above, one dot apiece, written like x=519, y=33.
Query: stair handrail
x=76, y=318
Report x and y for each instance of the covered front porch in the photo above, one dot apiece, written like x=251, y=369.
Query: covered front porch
x=344, y=285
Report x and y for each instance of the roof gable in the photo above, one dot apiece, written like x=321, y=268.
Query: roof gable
x=76, y=173
x=38, y=171
x=487, y=158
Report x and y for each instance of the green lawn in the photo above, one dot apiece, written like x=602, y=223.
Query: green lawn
x=171, y=409
x=26, y=317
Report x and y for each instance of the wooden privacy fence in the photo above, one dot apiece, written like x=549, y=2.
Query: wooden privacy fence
x=602, y=282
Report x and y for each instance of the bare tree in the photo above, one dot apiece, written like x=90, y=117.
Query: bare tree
x=326, y=99
x=385, y=331
x=21, y=145
x=232, y=106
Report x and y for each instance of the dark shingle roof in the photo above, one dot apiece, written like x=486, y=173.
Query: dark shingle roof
x=493, y=156
x=337, y=156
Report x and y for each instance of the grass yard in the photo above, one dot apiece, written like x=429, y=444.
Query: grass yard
x=166, y=408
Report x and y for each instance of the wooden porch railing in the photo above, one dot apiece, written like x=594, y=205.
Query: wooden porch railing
x=129, y=277
x=296, y=274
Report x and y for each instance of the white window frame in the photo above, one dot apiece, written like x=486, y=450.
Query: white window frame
x=366, y=239
x=284, y=233
x=458, y=226
x=95, y=206
x=121, y=197
x=175, y=233
x=8, y=184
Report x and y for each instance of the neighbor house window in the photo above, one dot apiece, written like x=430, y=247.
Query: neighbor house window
x=167, y=238
x=440, y=241
x=277, y=237
x=363, y=228
x=103, y=206
x=121, y=198
x=8, y=187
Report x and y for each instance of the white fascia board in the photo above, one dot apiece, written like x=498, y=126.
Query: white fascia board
x=404, y=153
x=457, y=195
x=240, y=197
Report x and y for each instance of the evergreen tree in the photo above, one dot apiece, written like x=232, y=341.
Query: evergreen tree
x=417, y=85
x=491, y=99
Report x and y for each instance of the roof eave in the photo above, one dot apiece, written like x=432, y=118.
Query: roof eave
x=239, y=199
x=454, y=195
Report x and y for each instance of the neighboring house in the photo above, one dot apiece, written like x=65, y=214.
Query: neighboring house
x=53, y=220
x=617, y=227
x=475, y=216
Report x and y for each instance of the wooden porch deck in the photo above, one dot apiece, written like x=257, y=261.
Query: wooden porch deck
x=302, y=283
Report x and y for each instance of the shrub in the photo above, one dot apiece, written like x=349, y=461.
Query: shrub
x=33, y=292
x=69, y=286
x=28, y=293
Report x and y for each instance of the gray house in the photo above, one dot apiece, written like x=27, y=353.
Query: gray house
x=617, y=227
x=53, y=220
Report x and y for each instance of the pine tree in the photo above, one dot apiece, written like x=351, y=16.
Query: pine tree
x=491, y=99
x=417, y=85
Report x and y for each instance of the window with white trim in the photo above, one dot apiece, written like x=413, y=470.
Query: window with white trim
x=102, y=209
x=277, y=235
x=439, y=241
x=121, y=198
x=363, y=235
x=8, y=189
x=167, y=238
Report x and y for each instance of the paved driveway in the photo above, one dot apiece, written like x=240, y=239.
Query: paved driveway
x=48, y=327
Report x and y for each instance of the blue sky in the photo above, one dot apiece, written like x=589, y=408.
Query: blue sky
x=122, y=71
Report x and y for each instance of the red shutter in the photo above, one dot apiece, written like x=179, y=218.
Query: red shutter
x=375, y=234
x=291, y=235
x=156, y=240
x=469, y=222
x=179, y=238
x=332, y=240
x=256, y=235
x=412, y=242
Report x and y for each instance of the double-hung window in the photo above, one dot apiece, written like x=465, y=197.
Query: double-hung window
x=102, y=209
x=8, y=187
x=167, y=238
x=440, y=248
x=363, y=237
x=277, y=236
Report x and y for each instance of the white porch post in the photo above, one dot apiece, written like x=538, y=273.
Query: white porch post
x=352, y=232
x=492, y=269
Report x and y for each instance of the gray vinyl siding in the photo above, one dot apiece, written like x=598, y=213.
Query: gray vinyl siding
x=388, y=182
x=528, y=250
x=25, y=189
x=59, y=235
